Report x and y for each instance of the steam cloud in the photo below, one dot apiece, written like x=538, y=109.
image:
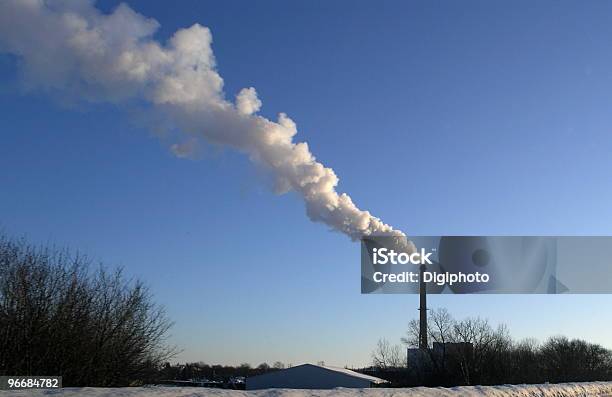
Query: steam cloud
x=71, y=50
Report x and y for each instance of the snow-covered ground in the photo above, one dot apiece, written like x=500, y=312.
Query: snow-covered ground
x=561, y=390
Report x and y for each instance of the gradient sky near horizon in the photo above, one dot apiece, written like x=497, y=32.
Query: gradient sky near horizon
x=439, y=117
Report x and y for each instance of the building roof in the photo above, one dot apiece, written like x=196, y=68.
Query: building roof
x=339, y=370
x=354, y=374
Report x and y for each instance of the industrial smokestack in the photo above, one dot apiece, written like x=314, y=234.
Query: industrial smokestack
x=422, y=309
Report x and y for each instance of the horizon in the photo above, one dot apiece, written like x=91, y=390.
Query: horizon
x=487, y=120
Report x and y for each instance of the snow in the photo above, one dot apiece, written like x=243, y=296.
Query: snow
x=354, y=374
x=560, y=390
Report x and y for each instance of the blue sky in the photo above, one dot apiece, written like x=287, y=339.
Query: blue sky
x=438, y=117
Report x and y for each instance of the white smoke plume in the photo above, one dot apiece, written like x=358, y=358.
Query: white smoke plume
x=69, y=49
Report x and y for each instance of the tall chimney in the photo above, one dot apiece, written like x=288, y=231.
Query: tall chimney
x=422, y=310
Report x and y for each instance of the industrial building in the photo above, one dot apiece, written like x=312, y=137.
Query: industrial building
x=310, y=376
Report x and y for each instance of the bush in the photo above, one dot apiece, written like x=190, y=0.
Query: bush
x=59, y=318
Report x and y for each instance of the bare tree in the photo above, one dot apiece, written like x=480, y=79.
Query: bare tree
x=56, y=317
x=386, y=355
x=411, y=339
x=471, y=351
x=263, y=367
x=440, y=328
x=525, y=362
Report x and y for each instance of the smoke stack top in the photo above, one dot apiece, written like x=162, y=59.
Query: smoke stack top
x=113, y=58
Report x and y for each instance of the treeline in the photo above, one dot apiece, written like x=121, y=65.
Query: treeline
x=221, y=373
x=58, y=317
x=472, y=352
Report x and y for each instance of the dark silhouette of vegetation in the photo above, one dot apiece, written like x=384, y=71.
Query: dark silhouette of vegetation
x=472, y=352
x=220, y=376
x=58, y=317
x=215, y=372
